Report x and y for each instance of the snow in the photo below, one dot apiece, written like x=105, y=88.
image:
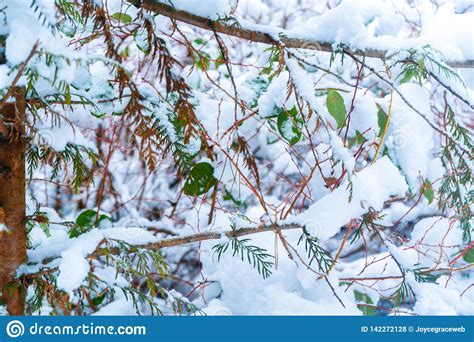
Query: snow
x=59, y=136
x=291, y=290
x=411, y=139
x=212, y=9
x=275, y=96
x=451, y=29
x=5, y=77
x=371, y=187
x=301, y=80
x=73, y=265
x=24, y=32
x=340, y=152
x=343, y=24
x=20, y=42
x=435, y=230
x=253, y=8
x=364, y=24
x=120, y=306
x=433, y=299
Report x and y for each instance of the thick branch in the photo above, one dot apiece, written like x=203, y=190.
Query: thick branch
x=261, y=36
x=182, y=240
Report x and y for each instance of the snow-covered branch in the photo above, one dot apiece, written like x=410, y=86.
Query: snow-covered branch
x=265, y=34
x=174, y=241
x=182, y=240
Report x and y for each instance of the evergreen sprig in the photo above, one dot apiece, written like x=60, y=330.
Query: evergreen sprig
x=403, y=294
x=459, y=176
x=181, y=305
x=315, y=252
x=422, y=276
x=420, y=63
x=256, y=256
x=139, y=263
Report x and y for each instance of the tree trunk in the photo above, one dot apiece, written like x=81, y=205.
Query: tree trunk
x=12, y=202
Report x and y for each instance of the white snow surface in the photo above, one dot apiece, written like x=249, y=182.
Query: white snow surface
x=73, y=266
x=212, y=9
x=370, y=188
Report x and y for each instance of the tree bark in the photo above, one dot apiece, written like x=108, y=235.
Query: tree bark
x=12, y=202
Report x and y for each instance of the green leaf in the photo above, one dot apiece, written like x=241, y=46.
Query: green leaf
x=76, y=231
x=469, y=255
x=364, y=298
x=141, y=40
x=289, y=125
x=200, y=179
x=266, y=71
x=428, y=191
x=336, y=107
x=381, y=121
x=359, y=139
x=122, y=18
x=67, y=95
x=86, y=221
x=88, y=218
x=407, y=75
x=45, y=228
x=229, y=197
x=99, y=299
x=202, y=60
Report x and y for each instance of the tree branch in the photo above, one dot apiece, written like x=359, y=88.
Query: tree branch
x=175, y=241
x=182, y=240
x=261, y=36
